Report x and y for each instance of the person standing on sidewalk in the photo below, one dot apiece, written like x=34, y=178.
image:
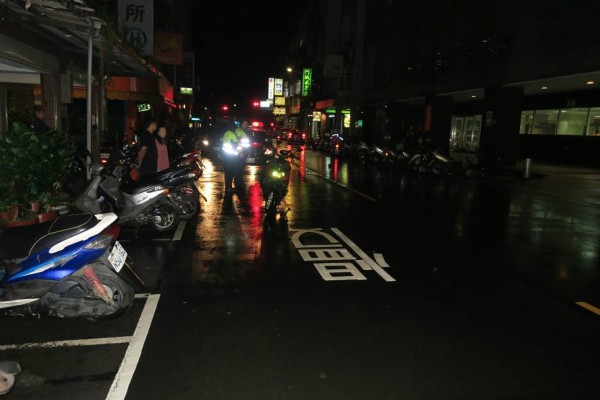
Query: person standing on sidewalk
x=38, y=125
x=162, y=160
x=148, y=155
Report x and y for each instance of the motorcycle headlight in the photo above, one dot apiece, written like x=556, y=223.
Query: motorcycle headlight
x=205, y=142
x=278, y=174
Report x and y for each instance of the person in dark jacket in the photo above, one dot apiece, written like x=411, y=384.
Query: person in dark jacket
x=37, y=123
x=148, y=154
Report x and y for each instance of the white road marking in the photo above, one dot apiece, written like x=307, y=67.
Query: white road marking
x=122, y=381
x=67, y=343
x=179, y=231
x=315, y=172
x=376, y=267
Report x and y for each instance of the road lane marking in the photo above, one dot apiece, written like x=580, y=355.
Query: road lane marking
x=124, y=376
x=588, y=307
x=68, y=343
x=315, y=172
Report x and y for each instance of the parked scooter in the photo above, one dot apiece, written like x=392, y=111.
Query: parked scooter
x=70, y=267
x=275, y=181
x=135, y=203
x=180, y=179
x=76, y=179
x=431, y=161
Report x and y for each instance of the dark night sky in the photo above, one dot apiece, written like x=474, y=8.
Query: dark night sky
x=240, y=43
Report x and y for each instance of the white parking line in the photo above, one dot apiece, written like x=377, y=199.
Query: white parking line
x=121, y=383
x=67, y=343
x=179, y=231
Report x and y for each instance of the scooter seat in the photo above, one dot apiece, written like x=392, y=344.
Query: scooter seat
x=165, y=175
x=22, y=241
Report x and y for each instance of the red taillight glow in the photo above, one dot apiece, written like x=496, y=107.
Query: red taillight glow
x=103, y=161
x=114, y=231
x=304, y=136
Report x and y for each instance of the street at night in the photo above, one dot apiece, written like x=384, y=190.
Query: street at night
x=380, y=284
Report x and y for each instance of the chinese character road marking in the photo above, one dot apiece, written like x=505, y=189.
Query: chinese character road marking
x=335, y=260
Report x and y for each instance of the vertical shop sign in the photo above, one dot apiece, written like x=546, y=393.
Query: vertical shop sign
x=278, y=87
x=271, y=89
x=136, y=21
x=168, y=48
x=306, y=81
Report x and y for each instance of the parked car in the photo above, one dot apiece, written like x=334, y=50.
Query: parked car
x=261, y=147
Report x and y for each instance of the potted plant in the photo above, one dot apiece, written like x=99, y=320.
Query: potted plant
x=47, y=212
x=7, y=208
x=32, y=165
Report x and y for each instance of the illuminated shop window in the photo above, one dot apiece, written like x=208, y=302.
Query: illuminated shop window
x=573, y=121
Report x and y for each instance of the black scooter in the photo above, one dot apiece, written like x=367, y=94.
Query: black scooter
x=274, y=183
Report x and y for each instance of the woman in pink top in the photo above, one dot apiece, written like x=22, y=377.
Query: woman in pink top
x=162, y=161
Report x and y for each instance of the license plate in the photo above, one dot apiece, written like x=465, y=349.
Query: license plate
x=250, y=160
x=117, y=256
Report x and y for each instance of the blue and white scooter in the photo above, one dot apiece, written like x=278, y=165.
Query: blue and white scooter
x=70, y=267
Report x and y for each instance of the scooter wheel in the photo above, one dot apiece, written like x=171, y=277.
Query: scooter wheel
x=164, y=219
x=119, y=291
x=271, y=204
x=415, y=164
x=188, y=205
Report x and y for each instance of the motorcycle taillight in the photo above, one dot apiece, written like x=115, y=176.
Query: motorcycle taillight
x=114, y=231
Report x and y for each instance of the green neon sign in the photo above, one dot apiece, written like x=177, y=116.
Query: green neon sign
x=306, y=81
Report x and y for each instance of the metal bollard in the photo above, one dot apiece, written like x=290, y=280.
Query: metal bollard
x=527, y=168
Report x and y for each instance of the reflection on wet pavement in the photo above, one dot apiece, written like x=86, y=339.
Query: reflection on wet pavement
x=543, y=231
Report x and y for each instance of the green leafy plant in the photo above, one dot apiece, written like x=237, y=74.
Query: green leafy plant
x=33, y=166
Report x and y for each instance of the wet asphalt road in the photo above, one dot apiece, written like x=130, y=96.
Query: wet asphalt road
x=378, y=285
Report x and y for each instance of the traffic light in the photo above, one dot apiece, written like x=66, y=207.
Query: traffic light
x=255, y=103
x=225, y=107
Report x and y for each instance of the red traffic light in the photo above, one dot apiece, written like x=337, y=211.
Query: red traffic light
x=225, y=108
x=255, y=103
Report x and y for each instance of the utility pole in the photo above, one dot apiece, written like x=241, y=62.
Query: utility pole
x=359, y=48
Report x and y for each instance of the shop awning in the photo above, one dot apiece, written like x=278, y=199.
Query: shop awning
x=67, y=25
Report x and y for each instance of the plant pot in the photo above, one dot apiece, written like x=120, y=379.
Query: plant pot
x=47, y=216
x=61, y=209
x=20, y=222
x=35, y=206
x=10, y=214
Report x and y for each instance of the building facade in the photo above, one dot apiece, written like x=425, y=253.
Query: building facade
x=510, y=79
